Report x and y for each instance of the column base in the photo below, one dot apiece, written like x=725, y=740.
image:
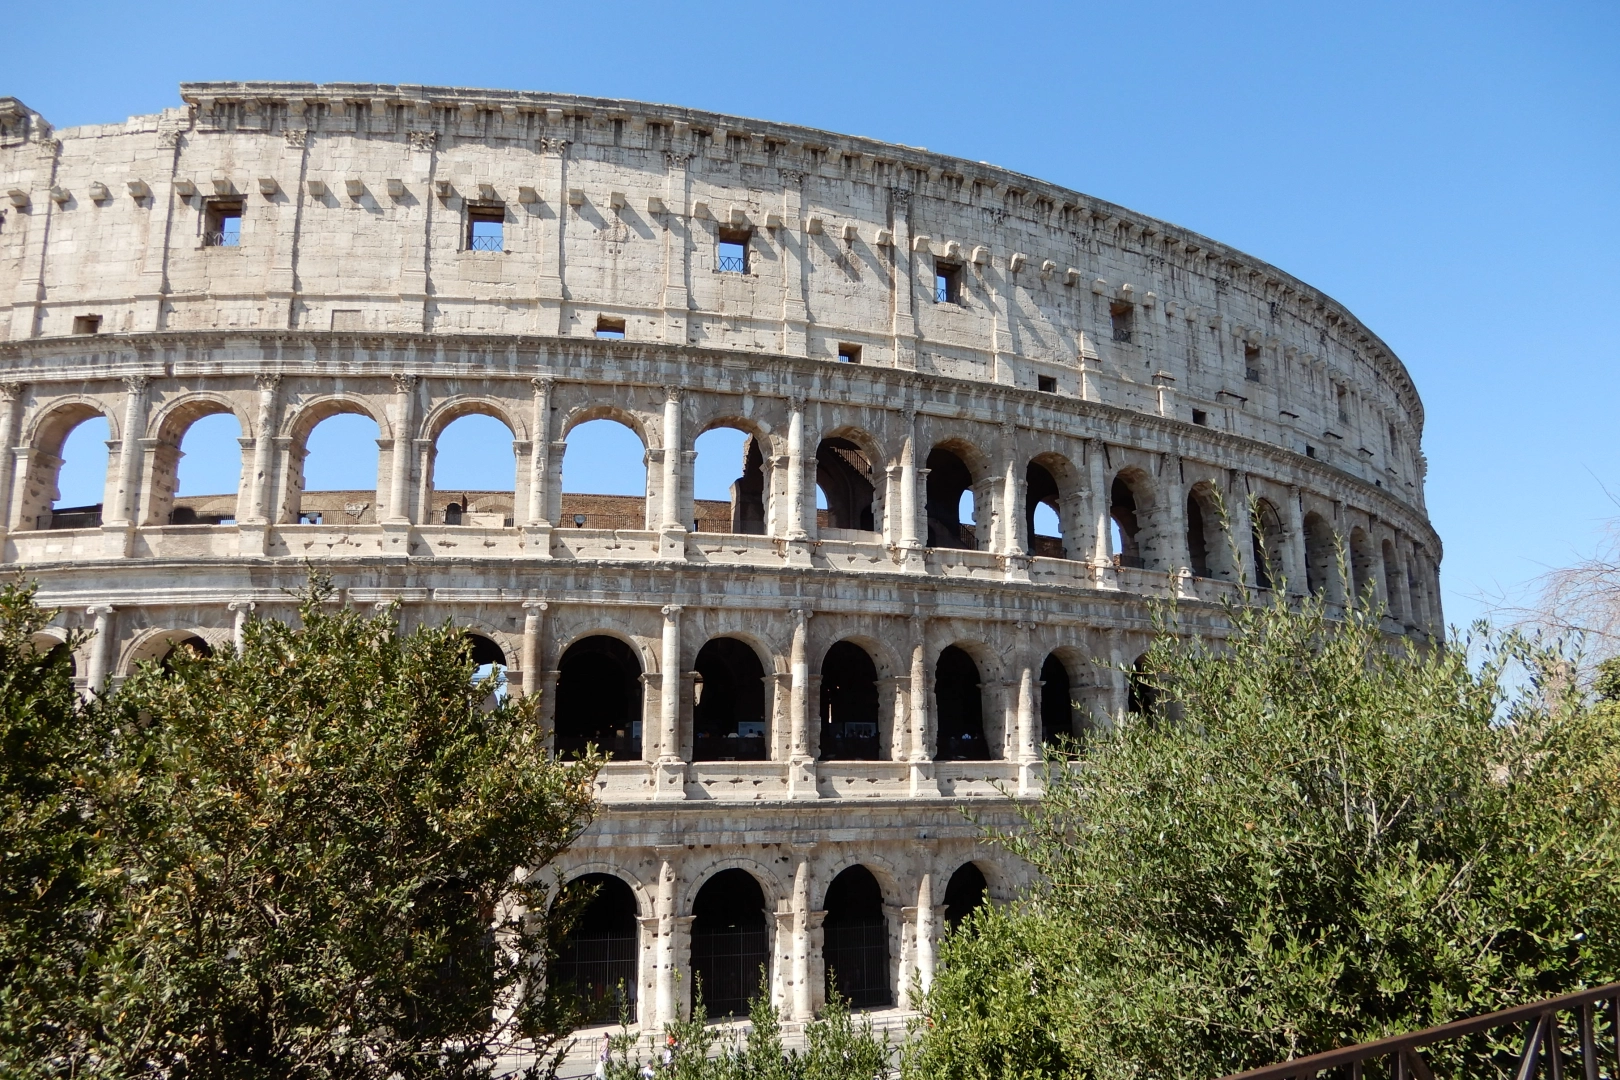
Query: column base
x=801, y=779
x=922, y=779
x=118, y=539
x=1102, y=574
x=669, y=780
x=672, y=544
x=253, y=538
x=537, y=541
x=796, y=550
x=396, y=537
x=1016, y=566
x=910, y=559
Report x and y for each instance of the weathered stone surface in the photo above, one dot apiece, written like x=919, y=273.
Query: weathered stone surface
x=1115, y=352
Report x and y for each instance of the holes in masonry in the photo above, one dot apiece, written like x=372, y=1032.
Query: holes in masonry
x=87, y=324
x=1046, y=384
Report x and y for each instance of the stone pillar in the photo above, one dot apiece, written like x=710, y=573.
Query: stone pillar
x=399, y=478
x=9, y=395
x=259, y=493
x=801, y=766
x=791, y=244
x=1298, y=578
x=910, y=477
x=1097, y=474
x=927, y=933
x=795, y=469
x=1119, y=692
x=677, y=245
x=1241, y=538
x=665, y=1003
x=1176, y=556
x=129, y=452
x=101, y=648
x=904, y=327
x=671, y=771
x=1029, y=724
x=537, y=527
x=242, y=609
x=554, y=179
x=534, y=614
x=922, y=741
x=1014, y=539
x=672, y=543
x=802, y=995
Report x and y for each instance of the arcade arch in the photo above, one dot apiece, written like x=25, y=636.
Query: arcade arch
x=1129, y=509
x=1321, y=576
x=68, y=470
x=965, y=893
x=959, y=706
x=855, y=940
x=729, y=482
x=952, y=509
x=198, y=454
x=730, y=943
x=604, y=475
x=336, y=456
x=1267, y=542
x=729, y=721
x=473, y=468
x=1058, y=717
x=599, y=698
x=596, y=960
x=847, y=481
x=1043, y=512
x=849, y=705
x=1207, y=550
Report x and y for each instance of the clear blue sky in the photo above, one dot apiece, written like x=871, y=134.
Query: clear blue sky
x=1449, y=171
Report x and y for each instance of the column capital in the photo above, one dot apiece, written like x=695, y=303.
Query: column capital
x=542, y=384
x=10, y=391
x=100, y=609
x=268, y=383
x=670, y=611
x=137, y=384
x=535, y=606
x=404, y=383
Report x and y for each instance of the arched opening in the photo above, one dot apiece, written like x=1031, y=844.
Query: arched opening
x=596, y=959
x=958, y=699
x=1126, y=530
x=337, y=484
x=1392, y=581
x=855, y=940
x=52, y=648
x=1207, y=552
x=599, y=698
x=1142, y=696
x=728, y=710
x=189, y=645
x=80, y=480
x=728, y=483
x=730, y=947
x=950, y=507
x=208, y=472
x=846, y=483
x=965, y=892
x=1319, y=557
x=489, y=667
x=1267, y=539
x=1361, y=568
x=1057, y=705
x=849, y=705
x=1043, y=522
x=474, y=473
x=604, y=477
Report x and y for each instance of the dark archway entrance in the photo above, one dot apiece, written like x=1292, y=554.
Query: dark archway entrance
x=964, y=894
x=1057, y=711
x=958, y=699
x=1122, y=508
x=948, y=478
x=730, y=949
x=849, y=705
x=844, y=476
x=1041, y=489
x=855, y=941
x=728, y=719
x=596, y=959
x=192, y=644
x=599, y=698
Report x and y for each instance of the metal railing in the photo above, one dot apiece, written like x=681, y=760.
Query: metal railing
x=1133, y=562
x=1122, y=336
x=486, y=243
x=1540, y=1051
x=733, y=264
x=223, y=238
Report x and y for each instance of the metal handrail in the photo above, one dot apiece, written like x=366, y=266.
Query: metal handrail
x=222, y=239
x=486, y=243
x=1540, y=1042
x=733, y=264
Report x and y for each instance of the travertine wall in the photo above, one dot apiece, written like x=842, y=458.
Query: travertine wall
x=1114, y=352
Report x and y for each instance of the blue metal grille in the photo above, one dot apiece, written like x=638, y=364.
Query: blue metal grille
x=733, y=264
x=487, y=242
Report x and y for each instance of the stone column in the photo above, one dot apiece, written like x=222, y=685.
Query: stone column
x=677, y=247
x=259, y=494
x=1241, y=539
x=399, y=478
x=795, y=469
x=927, y=933
x=537, y=529
x=554, y=180
x=672, y=542
x=803, y=996
x=242, y=609
x=909, y=480
x=534, y=614
x=1014, y=532
x=1118, y=690
x=922, y=742
x=129, y=451
x=1298, y=578
x=665, y=1004
x=904, y=326
x=801, y=766
x=1097, y=474
x=1176, y=556
x=101, y=648
x=670, y=772
x=9, y=395
x=791, y=244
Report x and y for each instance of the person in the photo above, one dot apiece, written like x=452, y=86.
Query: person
x=603, y=1058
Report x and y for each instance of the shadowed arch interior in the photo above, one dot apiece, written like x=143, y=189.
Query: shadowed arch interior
x=1319, y=556
x=1057, y=712
x=958, y=699
x=1267, y=539
x=1042, y=490
x=728, y=713
x=1142, y=695
x=948, y=478
x=596, y=959
x=191, y=644
x=730, y=945
x=599, y=698
x=844, y=475
x=965, y=892
x=1122, y=509
x=849, y=704
x=855, y=942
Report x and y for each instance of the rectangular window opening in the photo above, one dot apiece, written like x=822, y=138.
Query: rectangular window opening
x=222, y=223
x=947, y=283
x=732, y=254
x=1122, y=316
x=486, y=227
x=1201, y=418
x=1310, y=451
x=87, y=324
x=849, y=354
x=1251, y=363
x=1046, y=384
x=612, y=329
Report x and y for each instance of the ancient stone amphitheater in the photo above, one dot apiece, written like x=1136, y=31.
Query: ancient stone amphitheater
x=987, y=418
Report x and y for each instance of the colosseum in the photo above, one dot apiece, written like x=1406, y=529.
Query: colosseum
x=984, y=421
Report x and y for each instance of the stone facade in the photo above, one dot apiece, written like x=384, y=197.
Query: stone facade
x=908, y=325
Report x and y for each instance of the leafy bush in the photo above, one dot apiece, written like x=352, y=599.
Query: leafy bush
x=1320, y=836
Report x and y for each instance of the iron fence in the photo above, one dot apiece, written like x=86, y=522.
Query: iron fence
x=733, y=264
x=1122, y=336
x=486, y=243
x=1542, y=1050
x=223, y=238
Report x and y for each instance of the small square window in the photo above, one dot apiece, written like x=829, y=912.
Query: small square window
x=1201, y=418
x=1251, y=363
x=1310, y=451
x=309, y=517
x=849, y=354
x=947, y=283
x=732, y=254
x=486, y=228
x=87, y=324
x=1046, y=384
x=610, y=328
x=222, y=223
x=1122, y=316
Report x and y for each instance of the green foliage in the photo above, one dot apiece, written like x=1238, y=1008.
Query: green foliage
x=1320, y=837
x=45, y=836
x=836, y=1048
x=305, y=855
